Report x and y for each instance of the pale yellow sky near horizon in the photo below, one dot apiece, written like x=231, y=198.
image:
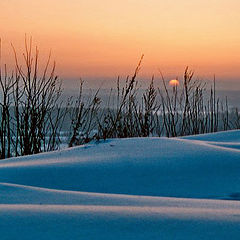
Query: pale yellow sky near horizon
x=106, y=38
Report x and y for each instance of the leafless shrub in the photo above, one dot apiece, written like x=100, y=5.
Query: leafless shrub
x=191, y=110
x=120, y=120
x=6, y=85
x=32, y=113
x=83, y=118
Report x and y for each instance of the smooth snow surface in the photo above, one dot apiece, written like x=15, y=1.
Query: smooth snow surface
x=140, y=188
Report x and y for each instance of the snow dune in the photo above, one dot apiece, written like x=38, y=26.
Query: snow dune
x=140, y=188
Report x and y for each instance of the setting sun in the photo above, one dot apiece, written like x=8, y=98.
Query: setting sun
x=174, y=83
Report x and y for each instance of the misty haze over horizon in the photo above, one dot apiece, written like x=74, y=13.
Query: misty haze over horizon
x=233, y=96
x=106, y=82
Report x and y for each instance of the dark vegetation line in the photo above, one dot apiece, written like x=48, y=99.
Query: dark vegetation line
x=32, y=114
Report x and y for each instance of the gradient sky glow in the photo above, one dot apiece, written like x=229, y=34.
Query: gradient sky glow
x=98, y=39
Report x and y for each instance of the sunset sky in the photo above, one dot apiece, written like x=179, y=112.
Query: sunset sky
x=99, y=40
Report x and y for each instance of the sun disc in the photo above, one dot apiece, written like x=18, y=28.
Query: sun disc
x=174, y=82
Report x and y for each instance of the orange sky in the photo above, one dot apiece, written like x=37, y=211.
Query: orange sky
x=98, y=39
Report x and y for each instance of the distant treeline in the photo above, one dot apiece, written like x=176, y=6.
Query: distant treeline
x=33, y=116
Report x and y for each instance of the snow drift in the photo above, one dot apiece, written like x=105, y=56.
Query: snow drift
x=139, y=188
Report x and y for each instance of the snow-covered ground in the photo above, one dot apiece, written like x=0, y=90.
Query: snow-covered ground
x=140, y=188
